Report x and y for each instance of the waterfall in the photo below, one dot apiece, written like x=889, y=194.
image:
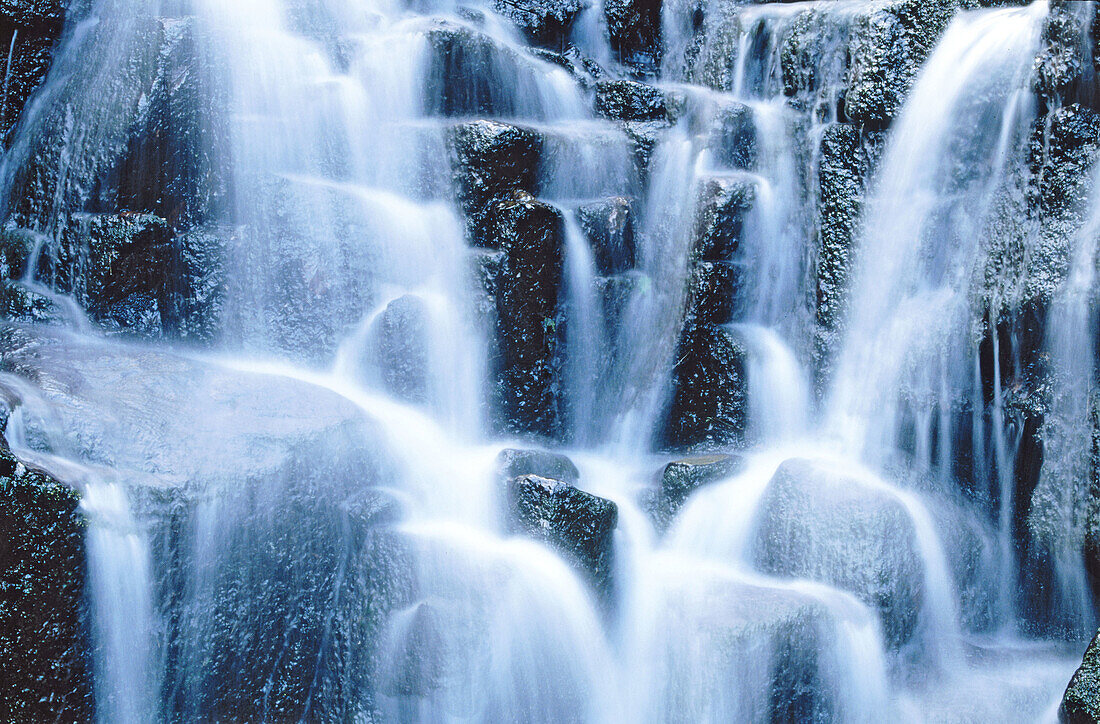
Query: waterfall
x=555, y=361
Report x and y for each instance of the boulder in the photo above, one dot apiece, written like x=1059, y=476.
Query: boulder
x=531, y=235
x=546, y=23
x=577, y=524
x=1081, y=702
x=818, y=523
x=634, y=28
x=708, y=406
x=724, y=202
x=491, y=160
x=398, y=339
x=627, y=100
x=680, y=478
x=513, y=463
x=45, y=640
x=609, y=226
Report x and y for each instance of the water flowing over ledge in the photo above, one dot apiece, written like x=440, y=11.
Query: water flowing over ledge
x=552, y=360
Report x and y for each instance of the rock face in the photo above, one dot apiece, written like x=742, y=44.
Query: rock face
x=733, y=136
x=491, y=160
x=1081, y=703
x=281, y=609
x=634, y=27
x=545, y=22
x=887, y=49
x=608, y=225
x=708, y=406
x=578, y=525
x=848, y=157
x=723, y=203
x=816, y=523
x=44, y=635
x=530, y=233
x=625, y=100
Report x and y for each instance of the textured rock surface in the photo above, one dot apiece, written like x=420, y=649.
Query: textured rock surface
x=45, y=668
x=708, y=406
x=577, y=524
x=634, y=27
x=1081, y=703
x=530, y=234
x=491, y=160
x=848, y=158
x=625, y=100
x=609, y=226
x=544, y=22
x=723, y=203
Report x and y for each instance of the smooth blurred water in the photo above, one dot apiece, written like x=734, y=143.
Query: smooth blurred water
x=285, y=438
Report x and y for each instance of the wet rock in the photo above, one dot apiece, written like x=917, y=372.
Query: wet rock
x=531, y=235
x=44, y=627
x=723, y=203
x=733, y=137
x=609, y=226
x=544, y=22
x=579, y=525
x=129, y=133
x=644, y=135
x=513, y=463
x=491, y=160
x=34, y=13
x=463, y=76
x=22, y=303
x=818, y=523
x=634, y=28
x=31, y=55
x=712, y=292
x=472, y=75
x=848, y=157
x=1081, y=702
x=196, y=284
x=708, y=406
x=400, y=343
x=116, y=266
x=887, y=49
x=681, y=478
x=626, y=100
x=1064, y=71
x=814, y=59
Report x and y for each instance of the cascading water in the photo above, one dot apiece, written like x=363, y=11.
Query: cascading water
x=320, y=512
